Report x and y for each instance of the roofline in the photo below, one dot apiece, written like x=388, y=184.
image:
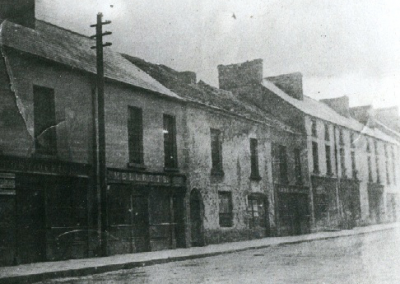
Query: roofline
x=178, y=98
x=395, y=142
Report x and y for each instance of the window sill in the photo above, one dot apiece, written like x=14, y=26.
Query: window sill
x=255, y=177
x=135, y=166
x=171, y=170
x=44, y=156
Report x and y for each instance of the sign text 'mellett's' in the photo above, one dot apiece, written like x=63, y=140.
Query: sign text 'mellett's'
x=138, y=177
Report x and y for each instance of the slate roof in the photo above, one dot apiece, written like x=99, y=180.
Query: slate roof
x=320, y=110
x=205, y=94
x=72, y=49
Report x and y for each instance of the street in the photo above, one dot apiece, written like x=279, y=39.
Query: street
x=369, y=258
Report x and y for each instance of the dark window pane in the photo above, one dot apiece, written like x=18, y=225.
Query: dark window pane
x=135, y=133
x=328, y=159
x=283, y=164
x=216, y=150
x=225, y=209
x=44, y=121
x=254, y=158
x=315, y=156
x=170, y=155
x=297, y=165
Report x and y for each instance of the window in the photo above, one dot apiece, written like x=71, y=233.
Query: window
x=315, y=157
x=368, y=147
x=369, y=170
x=353, y=165
x=283, y=168
x=394, y=166
x=254, y=159
x=216, y=152
x=256, y=210
x=297, y=166
x=341, y=138
x=378, y=174
x=352, y=140
x=44, y=121
x=328, y=160
x=387, y=165
x=314, y=128
x=135, y=135
x=170, y=157
x=327, y=136
x=342, y=163
x=225, y=209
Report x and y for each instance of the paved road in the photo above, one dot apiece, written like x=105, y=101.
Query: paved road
x=372, y=258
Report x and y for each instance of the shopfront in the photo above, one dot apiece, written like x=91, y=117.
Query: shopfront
x=43, y=213
x=375, y=200
x=146, y=211
x=293, y=214
x=349, y=194
x=326, y=209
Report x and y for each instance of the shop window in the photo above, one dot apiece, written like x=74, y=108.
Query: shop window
x=283, y=167
x=297, y=166
x=328, y=160
x=135, y=136
x=216, y=152
x=225, y=209
x=315, y=157
x=327, y=136
x=170, y=155
x=353, y=164
x=254, y=159
x=44, y=121
x=314, y=128
x=256, y=211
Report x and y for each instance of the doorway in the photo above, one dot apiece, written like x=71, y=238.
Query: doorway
x=196, y=220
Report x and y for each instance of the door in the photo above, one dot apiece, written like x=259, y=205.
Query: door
x=31, y=224
x=196, y=221
x=140, y=221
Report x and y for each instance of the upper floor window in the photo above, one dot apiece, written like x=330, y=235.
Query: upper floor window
x=314, y=128
x=368, y=146
x=394, y=166
x=297, y=165
x=135, y=135
x=254, y=159
x=315, y=157
x=341, y=137
x=342, y=162
x=283, y=167
x=328, y=160
x=327, y=136
x=353, y=165
x=44, y=121
x=387, y=165
x=216, y=151
x=225, y=209
x=352, y=140
x=369, y=169
x=170, y=152
x=378, y=174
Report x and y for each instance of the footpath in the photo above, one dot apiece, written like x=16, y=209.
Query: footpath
x=36, y=272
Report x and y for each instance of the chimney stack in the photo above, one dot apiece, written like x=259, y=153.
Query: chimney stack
x=363, y=114
x=340, y=105
x=291, y=84
x=236, y=75
x=21, y=12
x=188, y=77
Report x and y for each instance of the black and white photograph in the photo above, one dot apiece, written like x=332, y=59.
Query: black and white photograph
x=200, y=141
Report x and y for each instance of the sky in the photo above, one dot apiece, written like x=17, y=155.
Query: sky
x=342, y=47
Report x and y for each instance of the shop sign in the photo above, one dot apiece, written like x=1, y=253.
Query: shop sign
x=14, y=164
x=292, y=189
x=139, y=177
x=7, y=181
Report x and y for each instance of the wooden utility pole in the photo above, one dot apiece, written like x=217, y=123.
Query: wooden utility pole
x=100, y=166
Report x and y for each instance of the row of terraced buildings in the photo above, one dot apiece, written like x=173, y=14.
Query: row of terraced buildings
x=188, y=164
